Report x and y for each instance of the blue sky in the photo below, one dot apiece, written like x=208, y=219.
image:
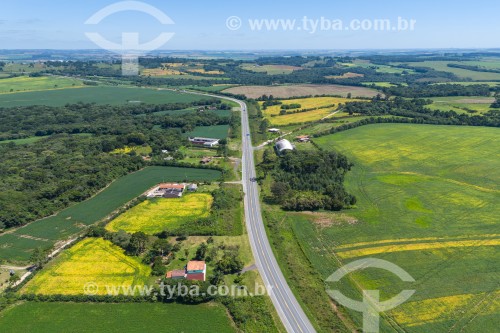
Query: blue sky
x=201, y=24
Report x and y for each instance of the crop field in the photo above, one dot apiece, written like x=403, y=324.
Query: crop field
x=271, y=69
x=204, y=71
x=427, y=201
x=377, y=67
x=93, y=260
x=462, y=73
x=126, y=317
x=99, y=95
x=380, y=84
x=160, y=72
x=156, y=215
x=347, y=75
x=216, y=132
x=74, y=218
x=462, y=104
x=491, y=84
x=302, y=90
x=25, y=83
x=324, y=106
x=212, y=88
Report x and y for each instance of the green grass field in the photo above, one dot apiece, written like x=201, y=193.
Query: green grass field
x=155, y=215
x=462, y=104
x=74, y=218
x=93, y=260
x=427, y=201
x=124, y=318
x=462, y=73
x=99, y=95
x=24, y=141
x=216, y=132
x=33, y=139
x=25, y=83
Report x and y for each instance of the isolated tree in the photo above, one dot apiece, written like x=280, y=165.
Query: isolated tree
x=39, y=257
x=229, y=264
x=138, y=243
x=13, y=279
x=280, y=191
x=201, y=251
x=264, y=125
x=162, y=247
x=158, y=268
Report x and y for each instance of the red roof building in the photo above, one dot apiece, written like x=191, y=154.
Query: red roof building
x=172, y=186
x=176, y=274
x=196, y=277
x=194, y=271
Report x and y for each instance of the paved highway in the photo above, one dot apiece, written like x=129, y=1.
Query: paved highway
x=286, y=304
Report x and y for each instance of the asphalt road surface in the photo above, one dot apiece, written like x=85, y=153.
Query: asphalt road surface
x=289, y=310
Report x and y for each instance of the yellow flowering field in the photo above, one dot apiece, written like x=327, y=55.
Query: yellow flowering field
x=417, y=247
x=324, y=106
x=413, y=314
x=155, y=215
x=92, y=261
x=139, y=150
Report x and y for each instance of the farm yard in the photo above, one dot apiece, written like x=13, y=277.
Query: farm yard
x=99, y=95
x=17, y=246
x=427, y=202
x=129, y=317
x=92, y=260
x=155, y=215
x=301, y=90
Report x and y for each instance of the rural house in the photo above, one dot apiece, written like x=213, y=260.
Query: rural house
x=194, y=271
x=177, y=274
x=206, y=160
x=303, y=138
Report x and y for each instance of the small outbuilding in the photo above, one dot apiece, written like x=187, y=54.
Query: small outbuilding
x=192, y=187
x=283, y=145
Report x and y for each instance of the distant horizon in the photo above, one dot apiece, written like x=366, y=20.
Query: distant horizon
x=268, y=50
x=259, y=25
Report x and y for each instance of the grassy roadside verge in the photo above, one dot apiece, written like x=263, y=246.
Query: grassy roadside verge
x=306, y=283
